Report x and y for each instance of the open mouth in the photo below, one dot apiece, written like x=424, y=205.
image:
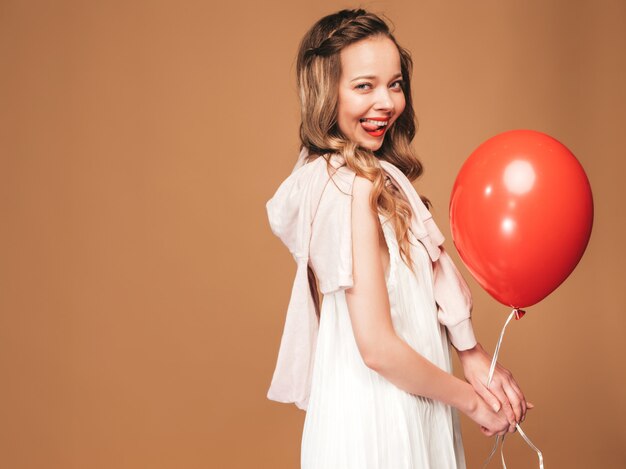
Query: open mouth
x=375, y=128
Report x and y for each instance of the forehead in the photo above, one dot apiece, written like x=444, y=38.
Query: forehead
x=371, y=56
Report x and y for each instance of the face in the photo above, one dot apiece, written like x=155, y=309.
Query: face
x=370, y=91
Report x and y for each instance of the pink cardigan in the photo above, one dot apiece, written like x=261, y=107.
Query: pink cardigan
x=327, y=246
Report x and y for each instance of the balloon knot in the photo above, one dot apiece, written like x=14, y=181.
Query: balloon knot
x=519, y=313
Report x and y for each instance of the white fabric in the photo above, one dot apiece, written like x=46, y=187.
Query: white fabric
x=356, y=419
x=311, y=213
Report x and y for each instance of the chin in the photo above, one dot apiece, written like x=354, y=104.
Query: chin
x=371, y=146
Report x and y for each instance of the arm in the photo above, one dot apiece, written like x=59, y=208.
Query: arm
x=382, y=350
x=454, y=300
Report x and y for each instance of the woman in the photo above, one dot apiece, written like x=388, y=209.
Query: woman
x=372, y=365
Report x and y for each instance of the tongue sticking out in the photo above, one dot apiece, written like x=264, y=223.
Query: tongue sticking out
x=369, y=126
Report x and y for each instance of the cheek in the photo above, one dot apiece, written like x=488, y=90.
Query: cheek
x=401, y=104
x=353, y=105
x=350, y=111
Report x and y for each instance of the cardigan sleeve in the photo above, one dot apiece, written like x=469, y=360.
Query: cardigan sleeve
x=454, y=302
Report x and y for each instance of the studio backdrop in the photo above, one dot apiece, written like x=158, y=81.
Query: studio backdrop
x=142, y=292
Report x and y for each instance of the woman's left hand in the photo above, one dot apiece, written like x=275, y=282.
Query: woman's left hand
x=503, y=392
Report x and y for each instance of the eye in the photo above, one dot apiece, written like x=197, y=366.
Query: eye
x=400, y=84
x=359, y=86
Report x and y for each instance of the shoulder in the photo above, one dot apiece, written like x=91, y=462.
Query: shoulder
x=346, y=201
x=346, y=198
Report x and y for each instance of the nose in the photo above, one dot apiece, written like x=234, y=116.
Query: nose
x=383, y=100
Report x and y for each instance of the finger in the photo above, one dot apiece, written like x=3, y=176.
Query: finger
x=517, y=398
x=488, y=397
x=489, y=432
x=524, y=408
x=513, y=392
x=517, y=389
x=504, y=401
x=515, y=386
x=520, y=396
x=514, y=399
x=530, y=405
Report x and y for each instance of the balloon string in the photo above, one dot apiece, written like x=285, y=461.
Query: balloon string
x=493, y=451
x=517, y=313
x=492, y=368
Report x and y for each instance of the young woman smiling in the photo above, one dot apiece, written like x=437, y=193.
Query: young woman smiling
x=372, y=365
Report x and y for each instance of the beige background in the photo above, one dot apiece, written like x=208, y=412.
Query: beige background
x=142, y=293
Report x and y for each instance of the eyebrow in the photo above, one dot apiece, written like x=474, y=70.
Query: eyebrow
x=372, y=77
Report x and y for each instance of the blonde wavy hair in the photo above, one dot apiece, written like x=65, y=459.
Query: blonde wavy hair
x=318, y=70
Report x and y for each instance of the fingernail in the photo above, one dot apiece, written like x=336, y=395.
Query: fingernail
x=496, y=407
x=530, y=405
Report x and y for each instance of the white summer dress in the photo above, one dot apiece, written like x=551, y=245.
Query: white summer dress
x=357, y=419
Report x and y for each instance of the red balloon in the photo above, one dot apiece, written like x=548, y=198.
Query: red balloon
x=521, y=214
